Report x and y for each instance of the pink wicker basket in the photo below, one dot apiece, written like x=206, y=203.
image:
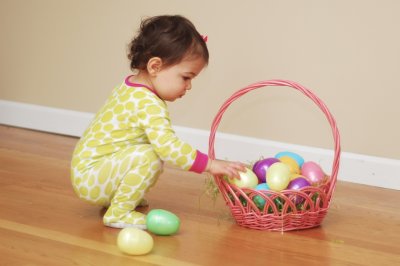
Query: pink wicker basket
x=280, y=212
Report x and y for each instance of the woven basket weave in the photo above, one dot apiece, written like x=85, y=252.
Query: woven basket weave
x=280, y=212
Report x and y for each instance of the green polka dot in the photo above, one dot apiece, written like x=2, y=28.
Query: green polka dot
x=157, y=121
x=126, y=189
x=132, y=180
x=93, y=143
x=99, y=135
x=77, y=182
x=143, y=171
x=94, y=192
x=153, y=110
x=133, y=119
x=119, y=109
x=124, y=166
x=123, y=125
x=143, y=148
x=124, y=97
x=112, y=103
x=118, y=212
x=107, y=117
x=129, y=106
x=122, y=198
x=182, y=160
x=142, y=187
x=139, y=94
x=83, y=191
x=174, y=154
x=91, y=180
x=122, y=117
x=118, y=134
x=135, y=161
x=96, y=128
x=151, y=155
x=75, y=161
x=137, y=215
x=153, y=135
x=166, y=151
x=136, y=196
x=109, y=189
x=108, y=127
x=164, y=139
x=105, y=172
x=142, y=115
x=103, y=202
x=86, y=154
x=155, y=167
x=186, y=149
x=127, y=206
x=143, y=103
x=105, y=149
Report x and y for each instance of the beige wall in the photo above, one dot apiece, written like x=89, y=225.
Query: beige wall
x=70, y=54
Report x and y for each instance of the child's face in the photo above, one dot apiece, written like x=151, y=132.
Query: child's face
x=172, y=82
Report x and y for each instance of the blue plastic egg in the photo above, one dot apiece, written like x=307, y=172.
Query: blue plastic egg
x=293, y=155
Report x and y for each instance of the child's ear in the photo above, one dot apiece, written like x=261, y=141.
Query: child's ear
x=154, y=65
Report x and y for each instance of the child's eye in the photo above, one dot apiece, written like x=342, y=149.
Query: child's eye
x=186, y=78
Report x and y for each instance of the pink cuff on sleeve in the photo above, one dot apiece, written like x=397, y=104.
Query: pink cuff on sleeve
x=200, y=163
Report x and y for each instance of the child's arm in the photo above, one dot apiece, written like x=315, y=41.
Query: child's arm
x=219, y=167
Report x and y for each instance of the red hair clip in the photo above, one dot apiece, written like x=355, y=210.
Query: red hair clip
x=205, y=37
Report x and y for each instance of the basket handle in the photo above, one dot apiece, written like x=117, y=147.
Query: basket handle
x=305, y=91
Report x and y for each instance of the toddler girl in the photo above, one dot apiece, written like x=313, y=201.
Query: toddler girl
x=121, y=154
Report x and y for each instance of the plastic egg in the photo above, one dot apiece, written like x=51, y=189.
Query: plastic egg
x=292, y=163
x=134, y=241
x=313, y=172
x=258, y=200
x=297, y=184
x=260, y=168
x=247, y=179
x=293, y=155
x=278, y=176
x=162, y=222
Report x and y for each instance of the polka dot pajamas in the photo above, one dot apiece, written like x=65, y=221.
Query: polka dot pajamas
x=121, y=154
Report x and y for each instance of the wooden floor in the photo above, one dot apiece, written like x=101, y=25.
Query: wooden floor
x=43, y=223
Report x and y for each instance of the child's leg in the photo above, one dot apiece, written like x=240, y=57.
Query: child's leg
x=120, y=182
x=143, y=167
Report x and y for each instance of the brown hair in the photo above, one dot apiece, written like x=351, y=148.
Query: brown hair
x=172, y=38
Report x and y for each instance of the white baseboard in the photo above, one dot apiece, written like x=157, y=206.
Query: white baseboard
x=356, y=168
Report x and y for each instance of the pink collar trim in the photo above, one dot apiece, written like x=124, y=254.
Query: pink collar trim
x=131, y=84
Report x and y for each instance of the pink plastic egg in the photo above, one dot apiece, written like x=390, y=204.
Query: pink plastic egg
x=313, y=172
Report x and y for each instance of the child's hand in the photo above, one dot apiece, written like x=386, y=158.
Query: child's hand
x=230, y=169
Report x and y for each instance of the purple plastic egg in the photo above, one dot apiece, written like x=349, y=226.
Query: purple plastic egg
x=260, y=168
x=297, y=184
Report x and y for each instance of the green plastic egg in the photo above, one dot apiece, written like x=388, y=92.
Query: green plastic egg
x=162, y=222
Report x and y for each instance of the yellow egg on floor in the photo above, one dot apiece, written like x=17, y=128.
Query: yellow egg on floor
x=134, y=241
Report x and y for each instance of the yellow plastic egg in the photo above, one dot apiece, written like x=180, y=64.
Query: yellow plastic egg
x=292, y=163
x=247, y=179
x=134, y=241
x=278, y=176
